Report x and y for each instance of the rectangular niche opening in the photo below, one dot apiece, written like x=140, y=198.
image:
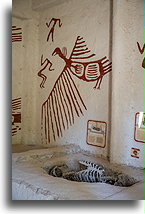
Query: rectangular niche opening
x=96, y=133
x=139, y=129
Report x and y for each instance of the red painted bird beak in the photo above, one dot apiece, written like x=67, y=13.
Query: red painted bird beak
x=54, y=53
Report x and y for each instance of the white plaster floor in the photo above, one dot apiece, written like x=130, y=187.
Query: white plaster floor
x=31, y=182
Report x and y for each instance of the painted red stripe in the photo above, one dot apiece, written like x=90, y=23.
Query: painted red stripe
x=14, y=132
x=68, y=111
x=16, y=33
x=16, y=29
x=134, y=156
x=13, y=129
x=79, y=43
x=13, y=100
x=54, y=113
x=60, y=106
x=17, y=41
x=71, y=96
x=79, y=38
x=79, y=50
x=77, y=91
x=77, y=54
x=73, y=93
x=50, y=110
x=57, y=108
x=16, y=37
x=136, y=149
x=79, y=46
x=92, y=70
x=69, y=102
x=83, y=57
x=16, y=107
x=48, y=131
x=16, y=103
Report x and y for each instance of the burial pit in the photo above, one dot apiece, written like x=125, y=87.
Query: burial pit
x=50, y=174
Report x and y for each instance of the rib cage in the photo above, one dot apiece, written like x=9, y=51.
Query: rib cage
x=95, y=174
x=90, y=164
x=89, y=175
x=61, y=107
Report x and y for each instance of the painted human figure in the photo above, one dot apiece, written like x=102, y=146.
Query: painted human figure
x=51, y=32
x=40, y=74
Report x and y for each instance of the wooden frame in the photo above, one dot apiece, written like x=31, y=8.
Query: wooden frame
x=96, y=133
x=139, y=132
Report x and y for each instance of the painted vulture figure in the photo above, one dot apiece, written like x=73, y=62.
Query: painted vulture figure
x=64, y=101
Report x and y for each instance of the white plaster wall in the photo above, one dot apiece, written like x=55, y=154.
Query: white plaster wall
x=17, y=67
x=127, y=82
x=22, y=9
x=43, y=4
x=29, y=82
x=24, y=66
x=89, y=19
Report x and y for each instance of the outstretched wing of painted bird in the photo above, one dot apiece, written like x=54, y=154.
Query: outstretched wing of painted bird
x=64, y=101
x=81, y=63
x=83, y=67
x=61, y=107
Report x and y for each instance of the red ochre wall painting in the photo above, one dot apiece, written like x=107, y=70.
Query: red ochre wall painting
x=16, y=103
x=51, y=27
x=64, y=101
x=16, y=34
x=135, y=152
x=45, y=62
x=16, y=115
x=141, y=50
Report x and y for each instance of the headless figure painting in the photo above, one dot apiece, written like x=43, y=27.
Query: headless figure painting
x=47, y=64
